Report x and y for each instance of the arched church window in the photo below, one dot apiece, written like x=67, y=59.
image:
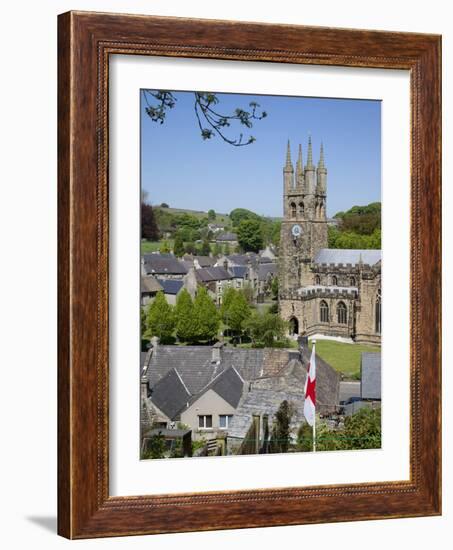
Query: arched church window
x=342, y=313
x=317, y=280
x=301, y=209
x=324, y=312
x=293, y=210
x=377, y=312
x=334, y=280
x=352, y=281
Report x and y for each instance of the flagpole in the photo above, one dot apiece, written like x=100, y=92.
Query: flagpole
x=314, y=418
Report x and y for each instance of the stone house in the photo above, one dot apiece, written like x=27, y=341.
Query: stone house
x=149, y=287
x=165, y=266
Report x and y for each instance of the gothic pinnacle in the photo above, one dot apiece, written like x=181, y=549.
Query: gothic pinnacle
x=310, y=154
x=299, y=160
x=321, y=158
x=288, y=155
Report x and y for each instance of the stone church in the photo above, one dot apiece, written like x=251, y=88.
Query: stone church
x=323, y=291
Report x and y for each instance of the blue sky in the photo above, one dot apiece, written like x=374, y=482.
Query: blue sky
x=181, y=169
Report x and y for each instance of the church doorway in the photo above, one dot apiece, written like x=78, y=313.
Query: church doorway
x=293, y=326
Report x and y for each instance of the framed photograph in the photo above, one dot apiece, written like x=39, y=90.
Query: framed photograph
x=249, y=275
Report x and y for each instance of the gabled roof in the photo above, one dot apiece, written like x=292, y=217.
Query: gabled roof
x=225, y=237
x=163, y=264
x=171, y=286
x=170, y=394
x=239, y=271
x=242, y=259
x=346, y=256
x=150, y=284
x=266, y=271
x=371, y=375
x=228, y=385
x=205, y=261
x=208, y=274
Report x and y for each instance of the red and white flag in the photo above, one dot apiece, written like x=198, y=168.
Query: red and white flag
x=310, y=389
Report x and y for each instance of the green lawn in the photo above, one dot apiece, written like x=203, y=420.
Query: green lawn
x=344, y=358
x=154, y=246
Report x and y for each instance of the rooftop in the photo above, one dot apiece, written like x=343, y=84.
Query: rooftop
x=344, y=256
x=163, y=264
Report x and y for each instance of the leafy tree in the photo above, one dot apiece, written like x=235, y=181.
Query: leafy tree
x=217, y=250
x=142, y=320
x=206, y=325
x=164, y=248
x=164, y=205
x=205, y=248
x=190, y=248
x=156, y=447
x=362, y=430
x=281, y=433
x=178, y=247
x=227, y=249
x=237, y=313
x=211, y=121
x=160, y=320
x=211, y=215
x=274, y=288
x=150, y=231
x=249, y=236
x=240, y=214
x=185, y=317
x=266, y=329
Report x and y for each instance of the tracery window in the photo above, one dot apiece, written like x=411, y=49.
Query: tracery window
x=377, y=312
x=342, y=313
x=324, y=312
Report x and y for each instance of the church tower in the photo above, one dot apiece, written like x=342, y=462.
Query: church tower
x=304, y=226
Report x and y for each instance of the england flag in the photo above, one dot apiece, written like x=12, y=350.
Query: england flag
x=310, y=389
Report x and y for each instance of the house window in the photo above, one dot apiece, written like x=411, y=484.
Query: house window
x=342, y=313
x=352, y=281
x=317, y=280
x=301, y=209
x=324, y=312
x=293, y=210
x=205, y=420
x=334, y=280
x=225, y=420
x=378, y=312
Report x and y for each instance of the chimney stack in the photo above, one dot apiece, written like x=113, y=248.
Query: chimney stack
x=217, y=352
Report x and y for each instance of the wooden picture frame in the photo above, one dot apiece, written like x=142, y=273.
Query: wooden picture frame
x=85, y=41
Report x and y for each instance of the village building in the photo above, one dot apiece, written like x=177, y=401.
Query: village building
x=323, y=291
x=149, y=287
x=162, y=266
x=171, y=288
x=216, y=391
x=227, y=238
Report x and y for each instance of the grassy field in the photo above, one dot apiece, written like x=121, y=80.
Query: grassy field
x=154, y=246
x=344, y=358
x=220, y=218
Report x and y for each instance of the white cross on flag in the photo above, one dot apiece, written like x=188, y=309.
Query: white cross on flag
x=310, y=389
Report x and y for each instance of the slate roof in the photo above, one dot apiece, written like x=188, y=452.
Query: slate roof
x=242, y=259
x=266, y=271
x=228, y=385
x=208, y=274
x=192, y=362
x=238, y=271
x=205, y=261
x=163, y=264
x=171, y=286
x=170, y=394
x=371, y=375
x=339, y=256
x=267, y=393
x=226, y=237
x=150, y=284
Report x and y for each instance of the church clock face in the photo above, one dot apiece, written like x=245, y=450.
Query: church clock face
x=296, y=230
